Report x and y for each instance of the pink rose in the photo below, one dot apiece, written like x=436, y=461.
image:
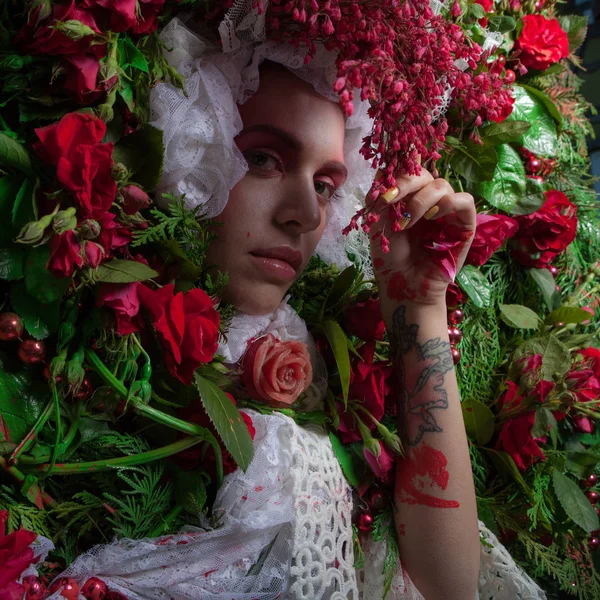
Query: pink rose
x=276, y=372
x=93, y=254
x=113, y=235
x=80, y=75
x=382, y=464
x=134, y=199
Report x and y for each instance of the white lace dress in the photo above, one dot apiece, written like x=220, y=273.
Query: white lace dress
x=286, y=533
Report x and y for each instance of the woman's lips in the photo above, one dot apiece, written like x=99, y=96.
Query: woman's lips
x=283, y=262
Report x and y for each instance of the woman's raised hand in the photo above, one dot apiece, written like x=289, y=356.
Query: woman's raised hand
x=429, y=244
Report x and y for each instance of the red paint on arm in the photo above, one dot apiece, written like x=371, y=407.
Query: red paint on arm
x=398, y=290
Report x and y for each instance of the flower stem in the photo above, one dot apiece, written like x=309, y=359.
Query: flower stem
x=158, y=416
x=123, y=461
x=173, y=514
x=20, y=477
x=30, y=437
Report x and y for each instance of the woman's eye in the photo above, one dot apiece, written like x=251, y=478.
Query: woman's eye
x=261, y=160
x=324, y=189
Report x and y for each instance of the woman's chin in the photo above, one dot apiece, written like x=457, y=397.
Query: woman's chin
x=255, y=299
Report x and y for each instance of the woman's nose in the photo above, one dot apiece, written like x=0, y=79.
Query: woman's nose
x=299, y=208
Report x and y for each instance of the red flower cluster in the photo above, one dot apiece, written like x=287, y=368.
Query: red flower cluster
x=403, y=59
x=15, y=556
x=544, y=234
x=492, y=231
x=542, y=42
x=583, y=381
x=187, y=324
x=365, y=321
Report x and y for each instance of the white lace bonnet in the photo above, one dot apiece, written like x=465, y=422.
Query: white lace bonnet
x=201, y=158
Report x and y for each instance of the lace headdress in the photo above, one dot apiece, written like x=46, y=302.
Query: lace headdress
x=200, y=124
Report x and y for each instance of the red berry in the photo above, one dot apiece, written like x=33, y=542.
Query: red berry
x=11, y=326
x=533, y=165
x=510, y=77
x=456, y=316
x=94, y=589
x=34, y=588
x=593, y=543
x=553, y=270
x=31, y=351
x=85, y=390
x=501, y=60
x=68, y=588
x=591, y=480
x=365, y=521
x=538, y=178
x=377, y=500
x=455, y=335
x=455, y=355
x=593, y=497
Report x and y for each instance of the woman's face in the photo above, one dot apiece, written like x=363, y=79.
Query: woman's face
x=293, y=141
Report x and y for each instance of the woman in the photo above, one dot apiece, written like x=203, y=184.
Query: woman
x=286, y=522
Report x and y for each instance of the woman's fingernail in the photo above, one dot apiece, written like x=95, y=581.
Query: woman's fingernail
x=390, y=194
x=434, y=210
x=378, y=175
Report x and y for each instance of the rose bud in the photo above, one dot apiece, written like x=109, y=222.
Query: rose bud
x=134, y=199
x=65, y=220
x=89, y=229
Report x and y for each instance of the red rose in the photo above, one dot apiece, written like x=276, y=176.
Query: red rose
x=542, y=42
x=276, y=372
x=188, y=327
x=487, y=4
x=516, y=439
x=80, y=77
x=134, y=199
x=454, y=295
x=15, y=553
x=124, y=300
x=47, y=39
x=149, y=10
x=121, y=13
x=491, y=233
x=544, y=234
x=591, y=357
x=93, y=254
x=584, y=379
x=381, y=464
x=65, y=254
x=364, y=320
x=112, y=235
x=189, y=459
x=369, y=387
x=82, y=162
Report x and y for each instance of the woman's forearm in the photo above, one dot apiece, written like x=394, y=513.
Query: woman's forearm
x=436, y=513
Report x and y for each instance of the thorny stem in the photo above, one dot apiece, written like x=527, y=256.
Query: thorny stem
x=20, y=477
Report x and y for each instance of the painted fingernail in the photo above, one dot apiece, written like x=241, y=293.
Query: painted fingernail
x=406, y=217
x=378, y=175
x=390, y=194
x=434, y=210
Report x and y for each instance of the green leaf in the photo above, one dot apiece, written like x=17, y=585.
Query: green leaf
x=477, y=10
x=11, y=264
x=126, y=93
x=24, y=209
x=340, y=287
x=506, y=466
x=13, y=154
x=502, y=24
x=546, y=101
x=519, y=316
x=131, y=56
x=576, y=28
x=574, y=502
x=531, y=200
x=40, y=283
x=509, y=181
x=503, y=133
x=348, y=460
x=584, y=458
x=337, y=341
x=541, y=422
x=567, y=314
x=547, y=285
x=123, y=271
x=473, y=161
x=21, y=399
x=476, y=285
x=227, y=420
x=40, y=320
x=541, y=138
x=556, y=358
x=146, y=166
x=479, y=421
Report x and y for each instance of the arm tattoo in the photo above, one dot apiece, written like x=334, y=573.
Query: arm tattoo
x=421, y=387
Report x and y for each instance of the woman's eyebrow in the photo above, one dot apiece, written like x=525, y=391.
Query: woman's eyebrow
x=285, y=136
